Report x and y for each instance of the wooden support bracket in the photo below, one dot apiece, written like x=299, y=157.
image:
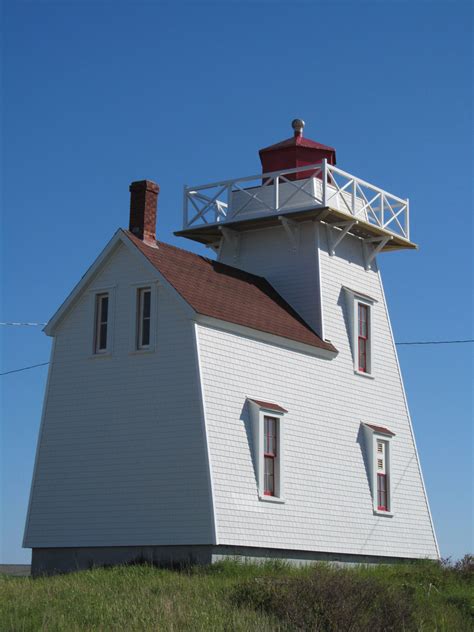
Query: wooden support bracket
x=292, y=230
x=335, y=240
x=370, y=254
x=215, y=245
x=233, y=237
x=323, y=214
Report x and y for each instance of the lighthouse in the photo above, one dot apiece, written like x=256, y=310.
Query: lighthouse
x=245, y=404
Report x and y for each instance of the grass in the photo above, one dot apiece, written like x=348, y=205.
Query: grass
x=232, y=596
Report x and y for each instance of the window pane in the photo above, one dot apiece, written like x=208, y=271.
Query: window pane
x=146, y=332
x=269, y=483
x=104, y=311
x=270, y=435
x=382, y=491
x=363, y=319
x=103, y=336
x=146, y=303
x=362, y=354
x=273, y=436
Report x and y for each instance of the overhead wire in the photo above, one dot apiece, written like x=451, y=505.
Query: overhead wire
x=23, y=324
x=414, y=342
x=25, y=368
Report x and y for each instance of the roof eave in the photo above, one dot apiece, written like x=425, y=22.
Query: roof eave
x=327, y=351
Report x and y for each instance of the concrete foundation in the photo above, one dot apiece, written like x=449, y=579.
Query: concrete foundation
x=52, y=561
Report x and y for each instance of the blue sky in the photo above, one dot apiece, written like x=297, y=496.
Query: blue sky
x=98, y=94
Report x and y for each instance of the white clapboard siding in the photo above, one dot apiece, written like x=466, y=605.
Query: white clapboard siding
x=122, y=457
x=328, y=500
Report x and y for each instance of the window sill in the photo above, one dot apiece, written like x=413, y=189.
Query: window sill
x=272, y=499
x=370, y=376
x=94, y=356
x=379, y=512
x=141, y=351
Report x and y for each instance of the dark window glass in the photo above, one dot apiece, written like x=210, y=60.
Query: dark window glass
x=146, y=304
x=363, y=337
x=104, y=309
x=146, y=332
x=103, y=336
x=382, y=496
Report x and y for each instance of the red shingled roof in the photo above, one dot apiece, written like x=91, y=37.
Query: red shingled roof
x=270, y=406
x=229, y=294
x=381, y=430
x=297, y=141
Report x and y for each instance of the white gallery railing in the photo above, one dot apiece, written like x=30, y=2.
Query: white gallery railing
x=276, y=193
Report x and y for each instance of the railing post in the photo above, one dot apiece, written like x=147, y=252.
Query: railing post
x=185, y=206
x=407, y=220
x=354, y=196
x=325, y=178
x=276, y=193
x=229, y=200
x=382, y=205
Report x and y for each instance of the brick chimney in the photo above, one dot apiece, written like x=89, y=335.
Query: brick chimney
x=143, y=203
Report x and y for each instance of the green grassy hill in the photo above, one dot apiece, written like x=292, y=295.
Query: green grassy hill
x=235, y=597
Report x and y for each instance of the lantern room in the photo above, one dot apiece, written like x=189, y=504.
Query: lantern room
x=294, y=152
x=299, y=182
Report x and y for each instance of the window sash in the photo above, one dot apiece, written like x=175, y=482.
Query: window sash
x=382, y=492
x=269, y=475
x=270, y=446
x=144, y=318
x=363, y=337
x=270, y=436
x=102, y=322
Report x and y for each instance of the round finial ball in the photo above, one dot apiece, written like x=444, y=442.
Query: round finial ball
x=297, y=125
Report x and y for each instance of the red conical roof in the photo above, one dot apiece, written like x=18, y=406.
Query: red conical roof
x=295, y=152
x=297, y=141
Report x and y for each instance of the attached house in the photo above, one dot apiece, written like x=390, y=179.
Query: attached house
x=245, y=405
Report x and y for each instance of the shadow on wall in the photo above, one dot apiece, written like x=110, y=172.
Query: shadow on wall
x=364, y=450
x=246, y=420
x=345, y=306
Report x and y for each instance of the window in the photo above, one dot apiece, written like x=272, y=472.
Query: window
x=101, y=323
x=378, y=441
x=267, y=448
x=360, y=308
x=269, y=454
x=382, y=489
x=363, y=345
x=143, y=318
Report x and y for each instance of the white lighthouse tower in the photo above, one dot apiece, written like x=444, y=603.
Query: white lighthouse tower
x=251, y=406
x=351, y=483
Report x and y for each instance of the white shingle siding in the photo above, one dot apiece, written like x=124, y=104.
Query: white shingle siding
x=328, y=499
x=131, y=454
x=293, y=273
x=122, y=457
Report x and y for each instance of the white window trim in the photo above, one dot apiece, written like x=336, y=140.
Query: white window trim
x=94, y=293
x=134, y=349
x=356, y=299
x=371, y=438
x=257, y=416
